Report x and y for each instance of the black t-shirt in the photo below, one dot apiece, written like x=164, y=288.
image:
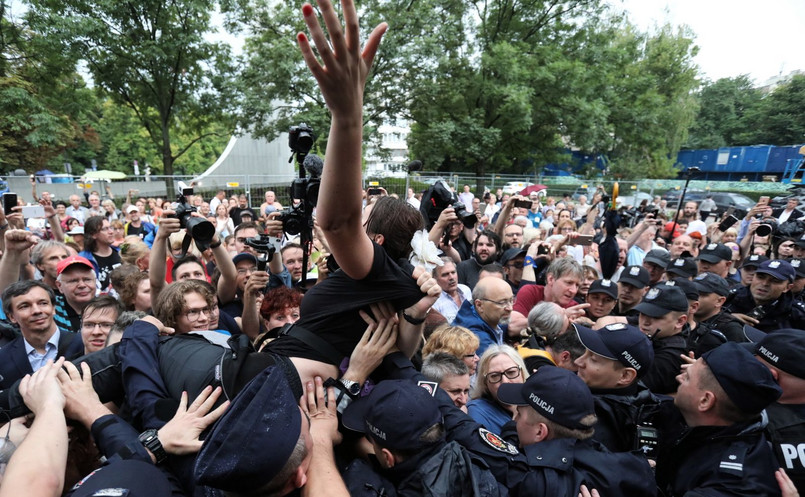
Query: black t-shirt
x=330, y=309
x=135, y=230
x=105, y=267
x=236, y=213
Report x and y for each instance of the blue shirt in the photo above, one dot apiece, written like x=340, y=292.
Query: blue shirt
x=38, y=360
x=489, y=414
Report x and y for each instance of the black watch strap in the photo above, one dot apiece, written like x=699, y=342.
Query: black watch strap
x=150, y=441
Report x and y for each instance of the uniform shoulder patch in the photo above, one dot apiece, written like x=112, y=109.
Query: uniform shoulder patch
x=496, y=442
x=429, y=386
x=732, y=460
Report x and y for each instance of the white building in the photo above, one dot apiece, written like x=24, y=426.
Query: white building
x=391, y=157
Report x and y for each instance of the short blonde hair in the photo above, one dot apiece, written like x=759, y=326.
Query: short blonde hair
x=132, y=249
x=454, y=340
x=481, y=389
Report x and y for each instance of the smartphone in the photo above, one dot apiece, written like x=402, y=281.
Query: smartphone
x=374, y=191
x=523, y=204
x=763, y=200
x=729, y=212
x=584, y=240
x=33, y=211
x=9, y=202
x=727, y=223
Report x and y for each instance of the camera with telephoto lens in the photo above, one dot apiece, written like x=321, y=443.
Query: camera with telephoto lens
x=199, y=228
x=305, y=188
x=438, y=198
x=766, y=228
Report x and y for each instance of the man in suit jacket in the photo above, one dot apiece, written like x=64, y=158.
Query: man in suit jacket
x=790, y=212
x=30, y=304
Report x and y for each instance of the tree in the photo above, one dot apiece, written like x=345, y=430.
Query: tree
x=150, y=56
x=724, y=107
x=780, y=117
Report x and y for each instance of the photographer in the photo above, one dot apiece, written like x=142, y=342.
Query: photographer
x=452, y=237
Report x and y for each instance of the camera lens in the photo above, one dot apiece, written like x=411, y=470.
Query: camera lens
x=763, y=230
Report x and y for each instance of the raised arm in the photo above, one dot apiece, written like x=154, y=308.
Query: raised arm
x=341, y=76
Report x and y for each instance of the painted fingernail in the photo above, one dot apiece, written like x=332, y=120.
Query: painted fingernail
x=307, y=9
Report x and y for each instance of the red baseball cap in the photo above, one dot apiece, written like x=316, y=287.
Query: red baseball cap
x=75, y=259
x=669, y=226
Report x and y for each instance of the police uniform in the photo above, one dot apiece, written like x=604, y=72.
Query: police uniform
x=556, y=467
x=785, y=350
x=725, y=460
x=785, y=312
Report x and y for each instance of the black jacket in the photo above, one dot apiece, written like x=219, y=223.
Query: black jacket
x=731, y=460
x=784, y=312
x=14, y=362
x=786, y=431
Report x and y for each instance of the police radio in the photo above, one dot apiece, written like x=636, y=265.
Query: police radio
x=647, y=440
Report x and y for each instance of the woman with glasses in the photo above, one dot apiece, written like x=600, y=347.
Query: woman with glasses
x=499, y=364
x=456, y=341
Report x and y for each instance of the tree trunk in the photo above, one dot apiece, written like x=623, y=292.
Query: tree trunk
x=167, y=162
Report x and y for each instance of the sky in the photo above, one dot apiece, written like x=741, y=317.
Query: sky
x=761, y=38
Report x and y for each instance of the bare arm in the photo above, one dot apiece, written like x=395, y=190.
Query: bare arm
x=341, y=78
x=53, y=218
x=252, y=293
x=323, y=477
x=159, y=252
x=18, y=243
x=505, y=213
x=228, y=282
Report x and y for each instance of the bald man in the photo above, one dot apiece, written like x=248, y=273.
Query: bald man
x=491, y=306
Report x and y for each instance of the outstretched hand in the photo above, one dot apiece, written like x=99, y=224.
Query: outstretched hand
x=344, y=67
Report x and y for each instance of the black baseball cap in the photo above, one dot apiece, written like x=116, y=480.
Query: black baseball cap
x=619, y=342
x=799, y=267
x=748, y=383
x=784, y=349
x=394, y=415
x=660, y=257
x=661, y=300
x=128, y=477
x=754, y=261
x=637, y=276
x=683, y=266
x=608, y=287
x=554, y=392
x=711, y=283
x=510, y=254
x=782, y=270
x=687, y=286
x=800, y=242
x=715, y=253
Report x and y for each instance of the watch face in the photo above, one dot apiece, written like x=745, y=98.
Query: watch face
x=354, y=389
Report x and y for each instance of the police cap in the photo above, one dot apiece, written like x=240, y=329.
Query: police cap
x=712, y=283
x=748, y=383
x=687, y=286
x=637, y=276
x=607, y=287
x=715, y=253
x=661, y=300
x=683, y=266
x=660, y=257
x=784, y=349
x=619, y=342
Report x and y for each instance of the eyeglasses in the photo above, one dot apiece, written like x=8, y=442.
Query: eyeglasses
x=496, y=377
x=194, y=314
x=247, y=270
x=105, y=327
x=502, y=303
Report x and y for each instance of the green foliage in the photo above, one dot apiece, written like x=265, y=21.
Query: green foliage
x=780, y=117
x=150, y=56
x=724, y=109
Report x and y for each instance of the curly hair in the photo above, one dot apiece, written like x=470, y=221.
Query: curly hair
x=128, y=290
x=279, y=299
x=454, y=340
x=170, y=303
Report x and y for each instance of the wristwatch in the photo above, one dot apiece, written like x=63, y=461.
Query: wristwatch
x=353, y=387
x=150, y=441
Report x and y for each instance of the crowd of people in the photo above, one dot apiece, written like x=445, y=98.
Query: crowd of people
x=557, y=349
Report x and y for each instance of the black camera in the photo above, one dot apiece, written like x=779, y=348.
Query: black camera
x=757, y=313
x=264, y=248
x=439, y=197
x=300, y=139
x=766, y=228
x=198, y=228
x=293, y=222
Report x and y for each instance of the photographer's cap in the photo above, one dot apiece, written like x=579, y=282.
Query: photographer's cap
x=782, y=270
x=607, y=287
x=715, y=253
x=784, y=349
x=754, y=261
x=637, y=276
x=619, y=342
x=77, y=230
x=672, y=225
x=660, y=257
x=132, y=208
x=555, y=393
x=244, y=256
x=683, y=266
x=510, y=254
x=748, y=383
x=712, y=283
x=661, y=300
x=395, y=414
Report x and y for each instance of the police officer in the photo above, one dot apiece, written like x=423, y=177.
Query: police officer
x=632, y=286
x=749, y=266
x=798, y=290
x=617, y=357
x=713, y=291
x=783, y=352
x=723, y=450
x=551, y=452
x=715, y=258
x=767, y=304
x=404, y=425
x=663, y=316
